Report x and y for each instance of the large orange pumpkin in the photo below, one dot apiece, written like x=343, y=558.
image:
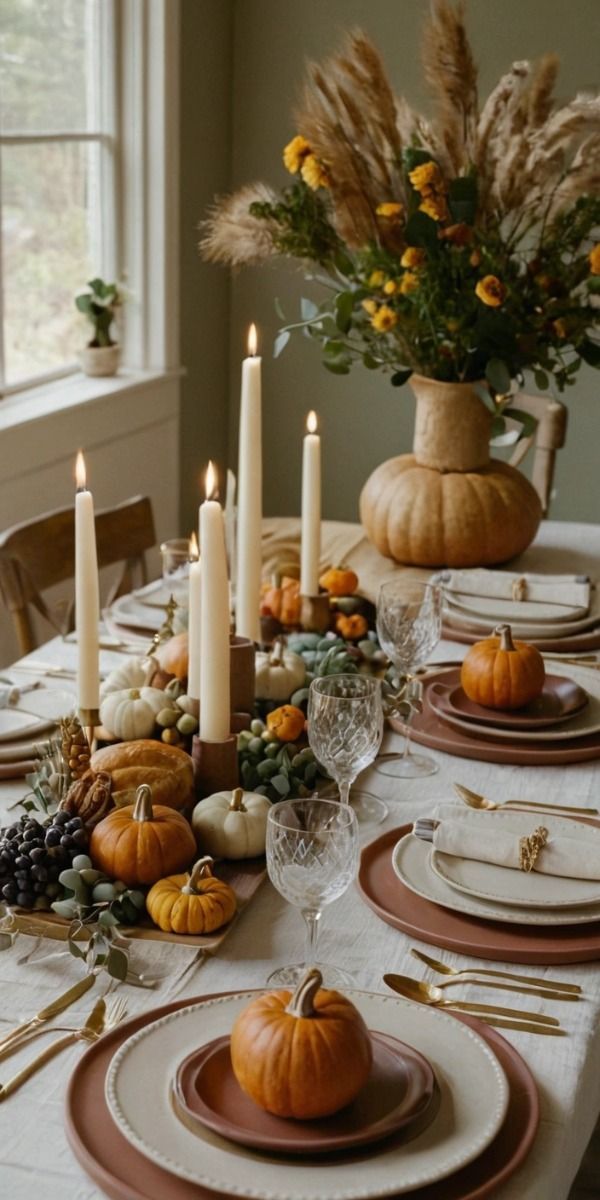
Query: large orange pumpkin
x=500, y=673
x=196, y=903
x=304, y=1055
x=141, y=843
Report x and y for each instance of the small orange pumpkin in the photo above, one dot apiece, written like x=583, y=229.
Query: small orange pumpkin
x=195, y=903
x=287, y=722
x=339, y=581
x=500, y=673
x=141, y=843
x=304, y=1055
x=281, y=599
x=352, y=627
x=172, y=657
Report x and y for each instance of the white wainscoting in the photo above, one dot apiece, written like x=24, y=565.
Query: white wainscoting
x=128, y=428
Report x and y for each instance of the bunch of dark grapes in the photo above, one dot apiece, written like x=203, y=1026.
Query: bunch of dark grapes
x=32, y=857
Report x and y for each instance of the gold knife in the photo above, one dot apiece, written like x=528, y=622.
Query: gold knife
x=51, y=1010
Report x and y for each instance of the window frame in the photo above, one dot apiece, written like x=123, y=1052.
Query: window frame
x=139, y=185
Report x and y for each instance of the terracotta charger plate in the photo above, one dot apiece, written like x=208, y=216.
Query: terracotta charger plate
x=125, y=1174
x=397, y=905
x=429, y=729
x=399, y=1090
x=560, y=699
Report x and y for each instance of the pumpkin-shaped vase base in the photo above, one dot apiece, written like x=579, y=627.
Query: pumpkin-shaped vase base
x=428, y=518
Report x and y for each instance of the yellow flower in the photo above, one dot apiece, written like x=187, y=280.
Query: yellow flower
x=409, y=283
x=434, y=206
x=475, y=258
x=453, y=325
x=376, y=279
x=491, y=291
x=294, y=154
x=390, y=210
x=413, y=257
x=370, y=306
x=384, y=319
x=560, y=327
x=313, y=173
x=594, y=257
x=426, y=176
x=391, y=287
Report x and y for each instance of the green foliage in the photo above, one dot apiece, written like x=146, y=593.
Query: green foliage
x=303, y=226
x=99, y=306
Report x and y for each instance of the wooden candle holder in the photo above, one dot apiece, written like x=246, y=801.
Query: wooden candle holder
x=241, y=675
x=215, y=765
x=315, y=613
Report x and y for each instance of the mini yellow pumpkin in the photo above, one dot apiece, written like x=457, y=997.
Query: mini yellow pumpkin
x=195, y=903
x=287, y=722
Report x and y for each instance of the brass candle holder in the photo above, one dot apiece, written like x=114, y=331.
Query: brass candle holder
x=315, y=613
x=215, y=765
x=89, y=719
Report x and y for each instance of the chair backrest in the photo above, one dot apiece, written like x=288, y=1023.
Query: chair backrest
x=39, y=553
x=548, y=437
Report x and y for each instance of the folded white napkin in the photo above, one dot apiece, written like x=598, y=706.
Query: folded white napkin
x=472, y=835
x=570, y=590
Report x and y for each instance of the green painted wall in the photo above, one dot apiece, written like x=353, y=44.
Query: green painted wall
x=364, y=420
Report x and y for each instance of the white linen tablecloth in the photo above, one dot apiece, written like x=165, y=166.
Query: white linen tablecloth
x=34, y=1154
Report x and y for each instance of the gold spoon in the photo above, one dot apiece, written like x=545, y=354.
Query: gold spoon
x=474, y=800
x=435, y=989
x=514, y=1018
x=532, y=980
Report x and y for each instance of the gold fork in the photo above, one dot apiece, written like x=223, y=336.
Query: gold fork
x=116, y=1009
x=474, y=800
x=93, y=1028
x=531, y=980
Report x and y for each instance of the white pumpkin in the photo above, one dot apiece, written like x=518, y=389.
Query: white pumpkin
x=135, y=673
x=279, y=673
x=131, y=713
x=232, y=824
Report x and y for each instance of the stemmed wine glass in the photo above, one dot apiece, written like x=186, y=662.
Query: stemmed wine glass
x=345, y=728
x=409, y=622
x=312, y=857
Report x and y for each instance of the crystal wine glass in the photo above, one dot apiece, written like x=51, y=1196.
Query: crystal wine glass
x=312, y=856
x=409, y=622
x=345, y=728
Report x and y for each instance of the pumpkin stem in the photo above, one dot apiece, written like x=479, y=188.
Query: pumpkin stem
x=275, y=657
x=504, y=632
x=134, y=693
x=301, y=1003
x=142, y=809
x=237, y=801
x=200, y=870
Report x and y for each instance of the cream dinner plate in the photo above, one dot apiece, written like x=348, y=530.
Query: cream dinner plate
x=47, y=703
x=474, y=1099
x=521, y=628
x=411, y=860
x=17, y=724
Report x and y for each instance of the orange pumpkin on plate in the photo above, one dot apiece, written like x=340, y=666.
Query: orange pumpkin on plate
x=500, y=673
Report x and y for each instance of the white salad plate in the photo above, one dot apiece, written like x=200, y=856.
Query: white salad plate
x=411, y=860
x=47, y=703
x=126, y=610
x=522, y=612
x=17, y=724
x=466, y=1070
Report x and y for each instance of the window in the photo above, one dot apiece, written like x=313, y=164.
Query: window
x=58, y=197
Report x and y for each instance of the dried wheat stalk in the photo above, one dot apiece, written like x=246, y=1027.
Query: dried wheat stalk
x=231, y=235
x=452, y=77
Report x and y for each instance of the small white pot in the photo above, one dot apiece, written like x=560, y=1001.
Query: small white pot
x=100, y=360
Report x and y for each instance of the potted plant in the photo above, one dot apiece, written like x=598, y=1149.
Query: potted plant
x=101, y=355
x=456, y=252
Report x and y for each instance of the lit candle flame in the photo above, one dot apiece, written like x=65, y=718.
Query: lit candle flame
x=311, y=422
x=80, y=477
x=211, y=481
x=252, y=340
x=194, y=554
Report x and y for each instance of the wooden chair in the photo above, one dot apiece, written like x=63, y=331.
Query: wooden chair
x=546, y=439
x=40, y=552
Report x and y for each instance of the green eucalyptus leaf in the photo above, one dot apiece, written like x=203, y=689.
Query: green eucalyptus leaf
x=401, y=377
x=369, y=362
x=498, y=376
x=280, y=342
x=344, y=308
x=279, y=309
x=589, y=352
x=421, y=230
x=541, y=380
x=498, y=427
x=117, y=964
x=462, y=198
x=308, y=309
x=337, y=368
x=526, y=420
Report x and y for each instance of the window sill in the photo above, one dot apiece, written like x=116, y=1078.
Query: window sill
x=73, y=391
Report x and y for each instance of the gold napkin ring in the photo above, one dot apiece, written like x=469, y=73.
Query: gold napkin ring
x=519, y=589
x=529, y=847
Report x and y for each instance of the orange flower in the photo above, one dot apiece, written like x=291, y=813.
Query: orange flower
x=425, y=177
x=409, y=283
x=390, y=211
x=459, y=235
x=413, y=256
x=491, y=291
x=294, y=154
x=376, y=279
x=594, y=257
x=475, y=258
x=560, y=327
x=384, y=319
x=313, y=173
x=435, y=206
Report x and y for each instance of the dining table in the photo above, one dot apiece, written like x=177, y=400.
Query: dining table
x=35, y=1157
